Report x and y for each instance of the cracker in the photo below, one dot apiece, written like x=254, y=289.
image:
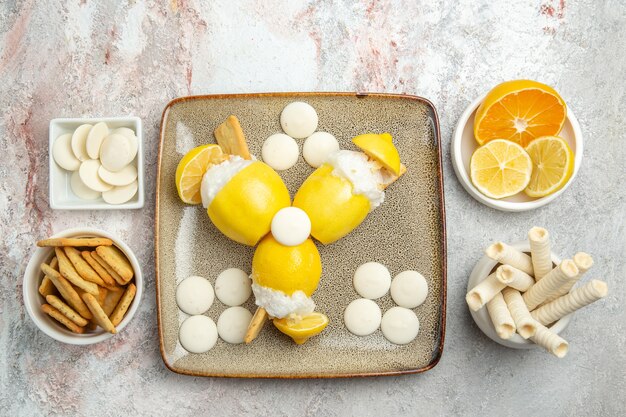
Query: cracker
x=67, y=270
x=82, y=267
x=104, y=275
x=66, y=310
x=110, y=301
x=98, y=315
x=108, y=268
x=124, y=303
x=82, y=241
x=47, y=287
x=67, y=291
x=102, y=294
x=117, y=261
x=256, y=324
x=231, y=139
x=56, y=314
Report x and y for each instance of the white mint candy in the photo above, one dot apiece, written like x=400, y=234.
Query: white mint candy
x=115, y=152
x=280, y=151
x=121, y=194
x=409, y=289
x=194, y=295
x=80, y=190
x=124, y=176
x=372, y=280
x=79, y=142
x=291, y=226
x=88, y=172
x=233, y=287
x=198, y=334
x=298, y=120
x=362, y=317
x=400, y=325
x=317, y=147
x=94, y=139
x=233, y=324
x=63, y=154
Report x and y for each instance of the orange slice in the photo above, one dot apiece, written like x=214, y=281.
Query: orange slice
x=519, y=111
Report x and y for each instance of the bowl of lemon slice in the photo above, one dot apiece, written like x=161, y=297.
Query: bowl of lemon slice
x=517, y=147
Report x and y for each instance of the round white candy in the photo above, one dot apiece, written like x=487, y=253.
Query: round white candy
x=124, y=176
x=94, y=139
x=88, y=172
x=298, y=120
x=233, y=324
x=79, y=142
x=194, y=295
x=362, y=317
x=317, y=147
x=409, y=289
x=132, y=139
x=63, y=154
x=291, y=226
x=121, y=194
x=198, y=334
x=280, y=151
x=400, y=325
x=372, y=280
x=80, y=190
x=115, y=152
x=233, y=287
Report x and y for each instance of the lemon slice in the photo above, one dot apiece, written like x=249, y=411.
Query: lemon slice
x=191, y=169
x=500, y=168
x=380, y=148
x=553, y=165
x=301, y=328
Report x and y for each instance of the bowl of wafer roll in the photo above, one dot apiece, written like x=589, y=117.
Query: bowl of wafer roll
x=522, y=295
x=82, y=286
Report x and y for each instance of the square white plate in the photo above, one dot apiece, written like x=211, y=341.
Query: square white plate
x=60, y=191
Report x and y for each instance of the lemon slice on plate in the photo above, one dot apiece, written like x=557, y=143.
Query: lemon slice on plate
x=191, y=169
x=500, y=168
x=380, y=148
x=301, y=328
x=553, y=165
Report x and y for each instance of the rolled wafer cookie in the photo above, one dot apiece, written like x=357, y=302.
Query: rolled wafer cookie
x=480, y=295
x=578, y=298
x=524, y=323
x=501, y=317
x=550, y=341
x=583, y=262
x=508, y=255
x=537, y=294
x=514, y=278
x=540, y=254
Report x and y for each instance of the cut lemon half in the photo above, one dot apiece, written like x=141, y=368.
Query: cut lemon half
x=191, y=169
x=301, y=328
x=380, y=148
x=520, y=111
x=500, y=168
x=553, y=165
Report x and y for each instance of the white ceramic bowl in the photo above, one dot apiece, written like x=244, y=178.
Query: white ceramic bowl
x=464, y=145
x=483, y=268
x=33, y=300
x=60, y=191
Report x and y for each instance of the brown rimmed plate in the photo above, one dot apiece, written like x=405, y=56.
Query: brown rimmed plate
x=406, y=232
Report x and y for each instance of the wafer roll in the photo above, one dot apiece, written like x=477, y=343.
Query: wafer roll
x=559, y=276
x=508, y=255
x=539, y=240
x=514, y=278
x=480, y=295
x=580, y=297
x=550, y=341
x=525, y=324
x=501, y=317
x=583, y=262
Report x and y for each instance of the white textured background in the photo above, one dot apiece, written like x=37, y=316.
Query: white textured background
x=103, y=58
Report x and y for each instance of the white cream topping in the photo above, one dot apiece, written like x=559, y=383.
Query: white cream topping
x=218, y=176
x=365, y=175
x=278, y=304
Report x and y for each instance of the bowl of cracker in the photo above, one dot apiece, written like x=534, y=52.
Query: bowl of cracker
x=82, y=286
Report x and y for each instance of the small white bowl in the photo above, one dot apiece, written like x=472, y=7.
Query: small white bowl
x=464, y=145
x=33, y=300
x=61, y=195
x=483, y=268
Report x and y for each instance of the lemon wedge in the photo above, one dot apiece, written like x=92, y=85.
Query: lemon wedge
x=553, y=165
x=191, y=169
x=380, y=148
x=301, y=328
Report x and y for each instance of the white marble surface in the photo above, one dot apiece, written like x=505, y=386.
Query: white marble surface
x=88, y=58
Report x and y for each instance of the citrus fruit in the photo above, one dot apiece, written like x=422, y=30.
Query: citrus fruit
x=500, y=168
x=380, y=148
x=287, y=268
x=191, y=169
x=300, y=329
x=331, y=205
x=243, y=209
x=553, y=165
x=520, y=111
